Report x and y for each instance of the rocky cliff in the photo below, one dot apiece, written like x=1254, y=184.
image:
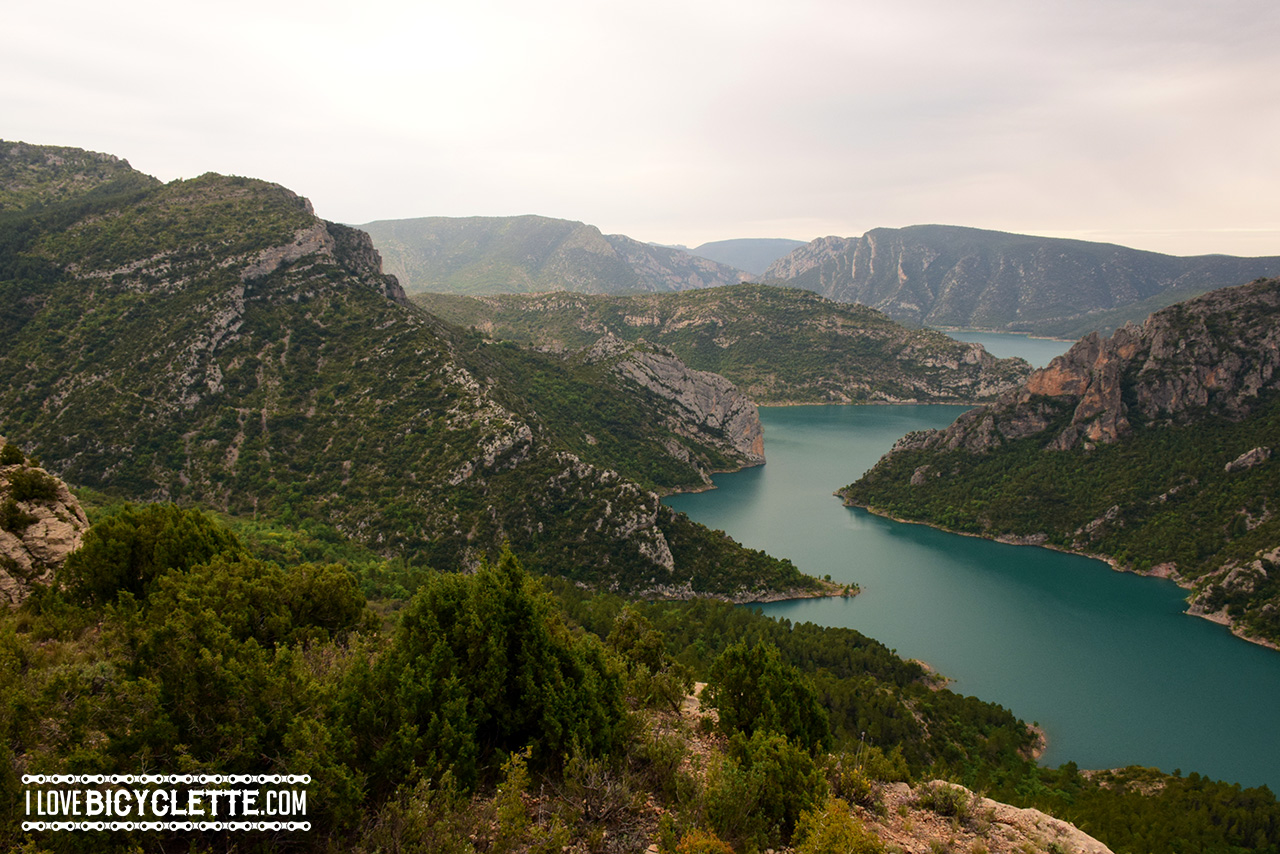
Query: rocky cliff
x=1212, y=356
x=778, y=345
x=706, y=407
x=1153, y=448
x=41, y=523
x=949, y=276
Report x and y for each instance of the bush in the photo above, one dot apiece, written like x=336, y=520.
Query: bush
x=11, y=455
x=483, y=665
x=757, y=793
x=30, y=484
x=833, y=830
x=945, y=799
x=130, y=551
x=753, y=689
x=698, y=841
x=13, y=518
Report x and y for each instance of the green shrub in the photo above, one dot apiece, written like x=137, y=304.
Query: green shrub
x=483, y=665
x=131, y=550
x=833, y=830
x=13, y=518
x=945, y=799
x=11, y=455
x=31, y=484
x=753, y=689
x=755, y=796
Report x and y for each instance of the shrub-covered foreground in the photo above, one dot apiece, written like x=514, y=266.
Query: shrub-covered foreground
x=493, y=712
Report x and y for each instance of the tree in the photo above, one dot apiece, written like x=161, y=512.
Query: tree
x=753, y=689
x=482, y=665
x=130, y=551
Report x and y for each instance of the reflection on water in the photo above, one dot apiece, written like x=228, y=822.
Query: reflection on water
x=1106, y=662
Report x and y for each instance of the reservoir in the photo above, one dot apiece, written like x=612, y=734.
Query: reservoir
x=1106, y=662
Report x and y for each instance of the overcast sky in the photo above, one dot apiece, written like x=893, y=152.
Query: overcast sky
x=1151, y=123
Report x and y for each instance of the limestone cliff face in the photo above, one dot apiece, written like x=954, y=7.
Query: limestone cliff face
x=939, y=275
x=41, y=523
x=1212, y=355
x=707, y=408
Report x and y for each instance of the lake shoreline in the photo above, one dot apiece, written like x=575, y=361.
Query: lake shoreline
x=1008, y=539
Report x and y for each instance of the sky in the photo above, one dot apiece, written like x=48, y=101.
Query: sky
x=1150, y=123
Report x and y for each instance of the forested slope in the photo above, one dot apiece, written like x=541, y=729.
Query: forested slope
x=1153, y=447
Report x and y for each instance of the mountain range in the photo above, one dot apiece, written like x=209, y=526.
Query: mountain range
x=212, y=341
x=952, y=277
x=939, y=276
x=522, y=254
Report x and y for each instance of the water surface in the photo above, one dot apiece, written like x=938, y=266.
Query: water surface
x=1106, y=662
x=1038, y=351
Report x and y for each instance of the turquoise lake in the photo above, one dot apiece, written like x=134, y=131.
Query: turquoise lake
x=1106, y=662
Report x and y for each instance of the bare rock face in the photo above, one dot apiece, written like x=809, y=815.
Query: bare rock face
x=41, y=523
x=908, y=825
x=1209, y=356
x=707, y=407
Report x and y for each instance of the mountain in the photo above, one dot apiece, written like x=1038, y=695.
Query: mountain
x=1153, y=448
x=753, y=254
x=778, y=345
x=212, y=341
x=522, y=254
x=947, y=276
x=32, y=175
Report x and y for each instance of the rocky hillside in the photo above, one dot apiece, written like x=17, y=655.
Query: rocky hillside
x=1152, y=447
x=779, y=345
x=498, y=255
x=947, y=276
x=41, y=523
x=212, y=341
x=33, y=175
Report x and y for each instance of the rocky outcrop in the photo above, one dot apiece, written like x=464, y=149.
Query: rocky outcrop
x=777, y=345
x=939, y=275
x=707, y=407
x=41, y=523
x=354, y=250
x=1213, y=355
x=909, y=825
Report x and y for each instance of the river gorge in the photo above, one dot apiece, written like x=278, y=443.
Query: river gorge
x=1108, y=664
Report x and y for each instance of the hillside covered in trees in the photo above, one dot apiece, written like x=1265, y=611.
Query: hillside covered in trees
x=1154, y=447
x=493, y=711
x=778, y=345
x=212, y=341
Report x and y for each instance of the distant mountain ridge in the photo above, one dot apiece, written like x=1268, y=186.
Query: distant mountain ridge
x=778, y=345
x=753, y=254
x=529, y=254
x=951, y=276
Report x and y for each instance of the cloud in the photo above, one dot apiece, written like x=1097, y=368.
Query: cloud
x=688, y=122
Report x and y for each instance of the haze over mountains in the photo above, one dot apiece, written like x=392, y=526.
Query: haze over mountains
x=948, y=276
x=523, y=254
x=926, y=275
